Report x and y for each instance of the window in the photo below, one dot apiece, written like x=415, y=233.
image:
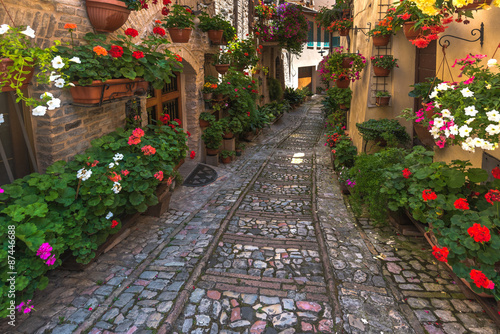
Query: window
x=327, y=39
x=318, y=36
x=335, y=41
x=166, y=100
x=310, y=35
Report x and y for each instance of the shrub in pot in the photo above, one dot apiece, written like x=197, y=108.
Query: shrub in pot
x=382, y=65
x=226, y=156
x=179, y=23
x=212, y=137
x=214, y=26
x=388, y=130
x=206, y=119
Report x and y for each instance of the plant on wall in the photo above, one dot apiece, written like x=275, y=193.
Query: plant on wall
x=292, y=27
x=333, y=65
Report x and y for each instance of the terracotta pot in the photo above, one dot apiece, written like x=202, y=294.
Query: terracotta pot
x=382, y=100
x=228, y=135
x=215, y=36
x=424, y=135
x=344, y=32
x=180, y=35
x=111, y=89
x=381, y=40
x=346, y=62
x=7, y=62
x=222, y=68
x=218, y=97
x=342, y=83
x=207, y=96
x=204, y=124
x=381, y=72
x=226, y=160
x=107, y=15
x=410, y=33
x=211, y=151
x=343, y=107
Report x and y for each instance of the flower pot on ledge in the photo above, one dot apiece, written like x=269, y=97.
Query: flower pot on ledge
x=215, y=36
x=107, y=15
x=381, y=72
x=382, y=101
x=179, y=35
x=381, y=40
x=7, y=62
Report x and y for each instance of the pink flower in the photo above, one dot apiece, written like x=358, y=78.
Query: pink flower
x=51, y=260
x=159, y=175
x=469, y=81
x=236, y=89
x=20, y=307
x=44, y=251
x=138, y=132
x=1, y=191
x=440, y=143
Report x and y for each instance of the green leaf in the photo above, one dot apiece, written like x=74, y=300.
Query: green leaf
x=454, y=178
x=477, y=175
x=136, y=198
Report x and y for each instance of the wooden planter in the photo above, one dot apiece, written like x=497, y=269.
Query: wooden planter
x=180, y=35
x=344, y=83
x=344, y=32
x=107, y=15
x=382, y=100
x=410, y=33
x=99, y=91
x=215, y=36
x=381, y=72
x=226, y=160
x=7, y=62
x=164, y=194
x=381, y=40
x=222, y=68
x=346, y=62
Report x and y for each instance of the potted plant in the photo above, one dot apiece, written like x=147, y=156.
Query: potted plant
x=332, y=66
x=226, y=156
x=222, y=61
x=18, y=58
x=243, y=53
x=382, y=65
x=179, y=23
x=229, y=32
x=382, y=98
x=240, y=147
x=342, y=81
x=383, y=131
x=109, y=15
x=213, y=26
x=212, y=137
x=116, y=64
x=292, y=27
x=205, y=119
x=209, y=87
x=342, y=26
x=341, y=96
x=381, y=34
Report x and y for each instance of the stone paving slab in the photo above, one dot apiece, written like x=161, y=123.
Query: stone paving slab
x=274, y=228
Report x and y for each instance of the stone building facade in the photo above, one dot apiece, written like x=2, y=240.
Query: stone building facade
x=66, y=131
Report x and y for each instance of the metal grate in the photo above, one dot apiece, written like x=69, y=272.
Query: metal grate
x=171, y=107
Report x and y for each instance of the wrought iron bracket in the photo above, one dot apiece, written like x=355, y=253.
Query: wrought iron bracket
x=356, y=28
x=444, y=40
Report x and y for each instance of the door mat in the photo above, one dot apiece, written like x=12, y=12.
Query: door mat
x=200, y=176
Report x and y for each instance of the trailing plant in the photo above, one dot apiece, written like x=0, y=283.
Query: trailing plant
x=387, y=129
x=292, y=27
x=338, y=25
x=332, y=67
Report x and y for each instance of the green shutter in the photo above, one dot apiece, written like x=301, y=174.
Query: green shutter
x=310, y=35
x=318, y=36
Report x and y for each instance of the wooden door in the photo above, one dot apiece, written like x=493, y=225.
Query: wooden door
x=425, y=66
x=165, y=101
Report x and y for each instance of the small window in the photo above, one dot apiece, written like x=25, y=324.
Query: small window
x=318, y=36
x=310, y=35
x=327, y=39
x=335, y=42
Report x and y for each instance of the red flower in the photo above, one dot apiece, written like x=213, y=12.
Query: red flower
x=428, y=195
x=481, y=280
x=178, y=58
x=167, y=2
x=138, y=54
x=116, y=51
x=165, y=118
x=178, y=121
x=246, y=54
x=192, y=154
x=188, y=133
x=165, y=11
x=113, y=225
x=189, y=10
x=125, y=172
x=440, y=253
x=496, y=173
x=461, y=204
x=405, y=16
x=138, y=132
x=406, y=173
x=158, y=21
x=133, y=140
x=447, y=20
x=491, y=196
x=479, y=233
x=420, y=42
x=148, y=150
x=115, y=177
x=131, y=32
x=159, y=31
x=248, y=113
x=159, y=176
x=70, y=26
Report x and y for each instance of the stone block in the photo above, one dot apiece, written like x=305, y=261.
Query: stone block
x=212, y=160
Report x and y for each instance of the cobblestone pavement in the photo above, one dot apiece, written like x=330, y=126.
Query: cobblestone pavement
x=270, y=247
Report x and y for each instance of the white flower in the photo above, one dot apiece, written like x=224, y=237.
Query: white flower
x=493, y=129
x=54, y=103
x=466, y=147
x=109, y=215
x=39, y=111
x=470, y=120
x=76, y=60
x=29, y=32
x=84, y=174
x=59, y=83
x=477, y=142
x=446, y=113
x=454, y=130
x=443, y=86
x=71, y=84
x=488, y=86
x=118, y=157
x=466, y=92
x=4, y=28
x=1, y=119
x=438, y=122
x=116, y=187
x=464, y=131
x=436, y=104
x=111, y=165
x=470, y=111
x=435, y=132
x=433, y=94
x=492, y=62
x=493, y=116
x=57, y=62
x=54, y=76
x=46, y=94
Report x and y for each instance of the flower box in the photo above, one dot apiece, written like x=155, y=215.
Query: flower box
x=164, y=195
x=107, y=15
x=7, y=62
x=99, y=91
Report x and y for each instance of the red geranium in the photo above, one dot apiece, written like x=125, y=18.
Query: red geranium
x=496, y=173
x=159, y=175
x=138, y=54
x=440, y=253
x=178, y=58
x=114, y=223
x=481, y=280
x=115, y=177
x=178, y=121
x=406, y=173
x=133, y=140
x=461, y=204
x=165, y=11
x=192, y=154
x=167, y=2
x=125, y=172
x=148, y=150
x=492, y=196
x=188, y=133
x=158, y=30
x=138, y=132
x=479, y=233
x=116, y=51
x=131, y=32
x=165, y=118
x=428, y=195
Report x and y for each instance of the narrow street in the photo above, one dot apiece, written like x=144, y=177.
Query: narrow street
x=270, y=247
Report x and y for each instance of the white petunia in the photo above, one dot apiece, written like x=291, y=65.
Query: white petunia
x=111, y=165
x=470, y=120
x=57, y=62
x=59, y=83
x=435, y=132
x=433, y=94
x=76, y=60
x=443, y=86
x=118, y=157
x=466, y=92
x=4, y=28
x=84, y=174
x=477, y=142
x=446, y=113
x=464, y=131
x=438, y=122
x=54, y=103
x=109, y=215
x=467, y=147
x=1, y=119
x=46, y=94
x=39, y=111
x=454, y=130
x=116, y=187
x=493, y=129
x=53, y=76
x=492, y=62
x=470, y=111
x=29, y=32
x=493, y=116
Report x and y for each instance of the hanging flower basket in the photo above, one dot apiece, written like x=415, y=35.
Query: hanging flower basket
x=383, y=101
x=411, y=33
x=381, y=72
x=222, y=68
x=344, y=32
x=99, y=91
x=346, y=62
x=204, y=124
x=107, y=15
x=215, y=36
x=342, y=83
x=381, y=40
x=7, y=62
x=180, y=35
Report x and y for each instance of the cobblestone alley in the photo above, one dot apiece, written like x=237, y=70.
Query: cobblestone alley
x=270, y=247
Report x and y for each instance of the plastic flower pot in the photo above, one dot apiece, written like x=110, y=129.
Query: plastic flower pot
x=411, y=33
x=344, y=32
x=215, y=36
x=342, y=83
x=381, y=72
x=381, y=40
x=107, y=15
x=180, y=35
x=346, y=62
x=222, y=68
x=7, y=62
x=382, y=100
